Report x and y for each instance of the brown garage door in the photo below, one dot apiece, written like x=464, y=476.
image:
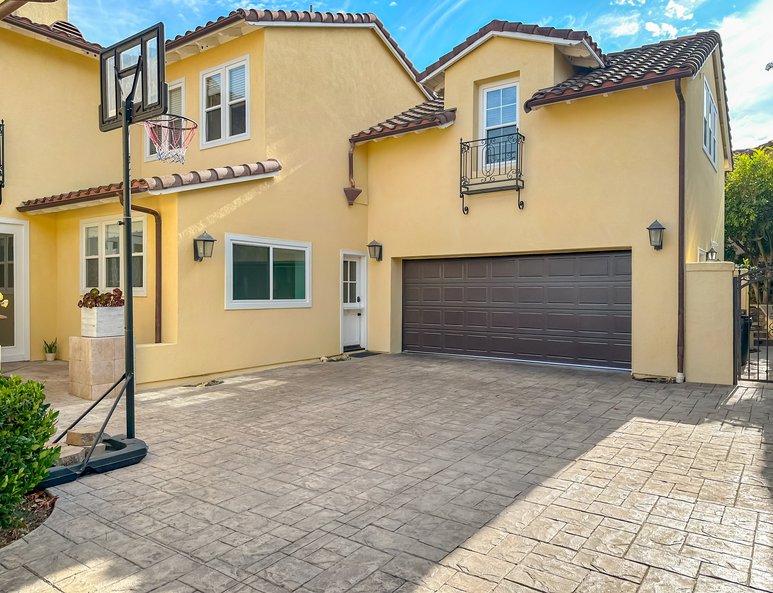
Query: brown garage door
x=564, y=308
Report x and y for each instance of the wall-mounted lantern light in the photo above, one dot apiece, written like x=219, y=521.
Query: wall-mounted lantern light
x=656, y=234
x=203, y=245
x=711, y=254
x=375, y=250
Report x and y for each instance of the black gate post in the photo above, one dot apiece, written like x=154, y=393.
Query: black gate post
x=736, y=329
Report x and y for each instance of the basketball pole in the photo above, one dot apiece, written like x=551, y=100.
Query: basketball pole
x=127, y=248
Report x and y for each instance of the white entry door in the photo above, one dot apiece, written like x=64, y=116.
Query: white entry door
x=14, y=323
x=353, y=314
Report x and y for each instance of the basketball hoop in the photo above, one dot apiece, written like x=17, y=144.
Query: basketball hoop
x=171, y=135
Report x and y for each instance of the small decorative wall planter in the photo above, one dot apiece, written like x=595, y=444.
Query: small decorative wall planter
x=102, y=314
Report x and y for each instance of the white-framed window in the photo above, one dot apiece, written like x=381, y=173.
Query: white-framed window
x=176, y=106
x=6, y=263
x=266, y=273
x=710, y=119
x=499, y=120
x=101, y=254
x=225, y=103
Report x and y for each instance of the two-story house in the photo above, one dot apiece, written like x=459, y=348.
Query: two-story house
x=510, y=198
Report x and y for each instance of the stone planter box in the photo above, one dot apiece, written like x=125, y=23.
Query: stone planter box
x=102, y=322
x=95, y=364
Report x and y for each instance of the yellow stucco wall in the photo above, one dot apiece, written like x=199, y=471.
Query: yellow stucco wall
x=44, y=12
x=48, y=100
x=704, y=183
x=598, y=171
x=308, y=132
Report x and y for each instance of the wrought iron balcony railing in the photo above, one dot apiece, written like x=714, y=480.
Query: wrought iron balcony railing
x=491, y=164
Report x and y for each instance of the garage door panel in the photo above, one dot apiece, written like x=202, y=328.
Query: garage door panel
x=567, y=308
x=453, y=294
x=476, y=294
x=476, y=319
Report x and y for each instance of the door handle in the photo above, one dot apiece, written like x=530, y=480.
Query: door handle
x=358, y=299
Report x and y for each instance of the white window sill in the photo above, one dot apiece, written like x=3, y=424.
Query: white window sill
x=243, y=305
x=223, y=142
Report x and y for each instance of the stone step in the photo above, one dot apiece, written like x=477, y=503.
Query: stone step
x=83, y=437
x=70, y=455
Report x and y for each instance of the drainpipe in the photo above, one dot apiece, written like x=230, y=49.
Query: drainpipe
x=11, y=6
x=157, y=224
x=680, y=330
x=351, y=192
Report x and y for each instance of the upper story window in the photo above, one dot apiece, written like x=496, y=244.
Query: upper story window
x=499, y=120
x=710, y=119
x=225, y=98
x=102, y=255
x=176, y=107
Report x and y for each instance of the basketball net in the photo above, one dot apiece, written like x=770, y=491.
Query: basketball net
x=171, y=135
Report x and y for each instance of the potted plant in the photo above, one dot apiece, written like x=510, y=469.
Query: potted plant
x=102, y=313
x=50, y=349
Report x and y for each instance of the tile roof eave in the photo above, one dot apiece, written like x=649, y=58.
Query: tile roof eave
x=442, y=120
x=603, y=90
x=176, y=182
x=52, y=34
x=44, y=204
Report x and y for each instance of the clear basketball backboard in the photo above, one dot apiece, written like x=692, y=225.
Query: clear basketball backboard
x=141, y=55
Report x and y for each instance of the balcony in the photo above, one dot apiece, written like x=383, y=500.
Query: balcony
x=491, y=164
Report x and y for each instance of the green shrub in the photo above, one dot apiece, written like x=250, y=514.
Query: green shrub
x=26, y=425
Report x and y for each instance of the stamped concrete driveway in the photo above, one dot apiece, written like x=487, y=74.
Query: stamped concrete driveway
x=416, y=474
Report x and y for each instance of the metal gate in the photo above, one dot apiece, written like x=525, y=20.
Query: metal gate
x=753, y=332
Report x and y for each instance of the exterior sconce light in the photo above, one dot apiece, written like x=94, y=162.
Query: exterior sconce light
x=375, y=250
x=711, y=254
x=203, y=245
x=656, y=235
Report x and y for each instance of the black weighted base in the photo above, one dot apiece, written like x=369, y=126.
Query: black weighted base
x=120, y=452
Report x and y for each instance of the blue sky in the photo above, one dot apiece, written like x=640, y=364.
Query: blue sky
x=427, y=29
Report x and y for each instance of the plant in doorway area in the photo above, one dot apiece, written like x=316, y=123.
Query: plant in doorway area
x=50, y=349
x=27, y=422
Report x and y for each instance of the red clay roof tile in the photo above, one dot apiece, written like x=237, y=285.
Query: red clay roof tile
x=59, y=31
x=658, y=62
x=429, y=114
x=163, y=182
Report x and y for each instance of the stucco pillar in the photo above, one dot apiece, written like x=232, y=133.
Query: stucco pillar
x=709, y=322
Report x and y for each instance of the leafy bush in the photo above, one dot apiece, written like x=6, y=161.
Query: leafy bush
x=26, y=425
x=107, y=299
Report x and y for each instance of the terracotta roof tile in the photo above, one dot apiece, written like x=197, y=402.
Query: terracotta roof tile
x=150, y=184
x=429, y=114
x=59, y=31
x=497, y=26
x=649, y=64
x=292, y=16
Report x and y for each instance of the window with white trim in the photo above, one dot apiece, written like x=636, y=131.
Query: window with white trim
x=102, y=255
x=499, y=120
x=267, y=273
x=710, y=119
x=176, y=106
x=225, y=97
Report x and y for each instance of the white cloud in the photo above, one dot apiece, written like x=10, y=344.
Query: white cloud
x=663, y=30
x=747, y=47
x=682, y=10
x=616, y=25
x=393, y=4
x=628, y=2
